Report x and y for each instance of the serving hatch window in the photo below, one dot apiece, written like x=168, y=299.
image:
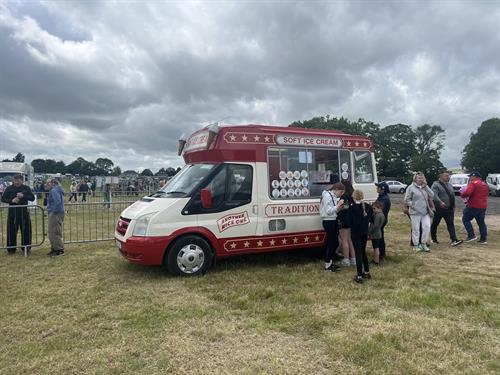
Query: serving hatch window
x=363, y=167
x=304, y=173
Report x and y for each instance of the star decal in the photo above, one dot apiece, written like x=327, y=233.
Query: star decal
x=271, y=242
x=247, y=244
x=232, y=137
x=365, y=144
x=259, y=243
x=244, y=138
x=348, y=143
x=256, y=138
x=295, y=240
x=233, y=245
x=284, y=241
x=266, y=139
x=316, y=238
x=357, y=143
x=306, y=239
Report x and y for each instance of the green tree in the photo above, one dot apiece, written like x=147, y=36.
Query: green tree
x=147, y=172
x=19, y=158
x=116, y=171
x=171, y=171
x=60, y=167
x=103, y=166
x=395, y=148
x=161, y=172
x=81, y=166
x=38, y=165
x=48, y=166
x=429, y=142
x=482, y=153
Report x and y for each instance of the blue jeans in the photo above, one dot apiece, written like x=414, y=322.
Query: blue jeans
x=478, y=214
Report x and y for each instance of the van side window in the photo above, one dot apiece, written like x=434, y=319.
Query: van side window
x=240, y=183
x=218, y=188
x=231, y=187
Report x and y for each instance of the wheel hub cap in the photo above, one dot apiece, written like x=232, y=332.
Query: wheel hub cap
x=190, y=258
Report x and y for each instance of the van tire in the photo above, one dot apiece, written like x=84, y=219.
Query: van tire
x=401, y=191
x=189, y=256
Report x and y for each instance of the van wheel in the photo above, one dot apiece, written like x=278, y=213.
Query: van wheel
x=401, y=191
x=189, y=256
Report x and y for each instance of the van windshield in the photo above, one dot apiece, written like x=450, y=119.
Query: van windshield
x=186, y=180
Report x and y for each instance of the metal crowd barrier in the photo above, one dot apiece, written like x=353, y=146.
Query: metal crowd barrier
x=92, y=222
x=89, y=221
x=22, y=227
x=95, y=196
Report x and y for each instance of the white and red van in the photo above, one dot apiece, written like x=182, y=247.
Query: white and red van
x=244, y=189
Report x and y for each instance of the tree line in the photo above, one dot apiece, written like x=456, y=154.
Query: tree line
x=82, y=167
x=401, y=149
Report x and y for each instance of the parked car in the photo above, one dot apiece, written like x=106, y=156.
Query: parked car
x=458, y=181
x=396, y=187
x=493, y=181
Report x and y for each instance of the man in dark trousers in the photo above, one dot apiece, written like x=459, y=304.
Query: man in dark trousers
x=383, y=197
x=17, y=195
x=444, y=200
x=476, y=195
x=84, y=189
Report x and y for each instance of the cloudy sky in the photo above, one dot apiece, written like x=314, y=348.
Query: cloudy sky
x=124, y=79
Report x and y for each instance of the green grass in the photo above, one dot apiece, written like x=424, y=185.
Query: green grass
x=92, y=312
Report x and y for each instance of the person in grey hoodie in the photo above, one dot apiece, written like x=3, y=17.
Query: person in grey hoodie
x=419, y=199
x=55, y=208
x=444, y=200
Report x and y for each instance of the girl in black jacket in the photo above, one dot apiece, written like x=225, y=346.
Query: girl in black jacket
x=360, y=214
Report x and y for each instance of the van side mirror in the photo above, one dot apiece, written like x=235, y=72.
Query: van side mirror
x=206, y=198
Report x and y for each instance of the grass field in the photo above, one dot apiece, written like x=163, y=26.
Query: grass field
x=90, y=312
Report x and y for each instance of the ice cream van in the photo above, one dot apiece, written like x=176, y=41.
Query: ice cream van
x=244, y=189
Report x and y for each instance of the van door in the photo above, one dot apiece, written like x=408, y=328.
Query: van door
x=232, y=217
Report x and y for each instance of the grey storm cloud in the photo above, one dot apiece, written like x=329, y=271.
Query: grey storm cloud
x=124, y=79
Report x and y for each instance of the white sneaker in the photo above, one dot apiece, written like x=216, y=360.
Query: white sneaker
x=353, y=261
x=345, y=262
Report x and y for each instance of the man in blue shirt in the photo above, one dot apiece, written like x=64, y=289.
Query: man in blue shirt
x=55, y=208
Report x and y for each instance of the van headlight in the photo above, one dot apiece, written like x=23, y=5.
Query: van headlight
x=142, y=223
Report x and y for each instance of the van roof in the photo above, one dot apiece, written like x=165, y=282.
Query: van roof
x=250, y=142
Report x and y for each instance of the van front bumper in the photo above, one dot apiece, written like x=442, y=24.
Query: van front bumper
x=148, y=251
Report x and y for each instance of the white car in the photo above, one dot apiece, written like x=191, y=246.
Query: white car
x=396, y=186
x=493, y=181
x=458, y=181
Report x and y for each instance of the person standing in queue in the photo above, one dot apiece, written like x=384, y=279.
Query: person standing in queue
x=17, y=195
x=444, y=201
x=55, y=208
x=476, y=194
x=383, y=197
x=419, y=199
x=345, y=222
x=330, y=205
x=360, y=213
